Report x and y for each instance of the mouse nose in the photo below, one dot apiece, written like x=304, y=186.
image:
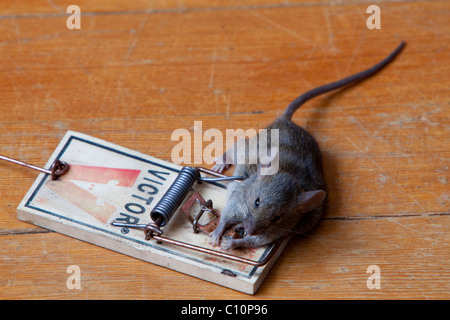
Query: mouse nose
x=251, y=231
x=248, y=230
x=241, y=232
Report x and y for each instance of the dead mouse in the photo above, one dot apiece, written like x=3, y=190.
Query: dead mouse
x=292, y=200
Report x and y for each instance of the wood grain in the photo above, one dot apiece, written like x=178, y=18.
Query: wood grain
x=138, y=70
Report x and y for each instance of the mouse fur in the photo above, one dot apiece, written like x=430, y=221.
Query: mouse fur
x=296, y=192
x=294, y=199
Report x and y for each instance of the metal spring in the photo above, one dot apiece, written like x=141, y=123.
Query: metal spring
x=175, y=195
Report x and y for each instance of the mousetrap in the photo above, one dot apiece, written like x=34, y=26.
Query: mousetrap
x=143, y=207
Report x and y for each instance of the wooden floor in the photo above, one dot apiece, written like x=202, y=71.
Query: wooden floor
x=138, y=70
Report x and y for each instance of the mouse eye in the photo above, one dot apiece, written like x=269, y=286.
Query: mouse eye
x=257, y=202
x=275, y=219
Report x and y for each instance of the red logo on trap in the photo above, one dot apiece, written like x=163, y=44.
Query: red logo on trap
x=86, y=200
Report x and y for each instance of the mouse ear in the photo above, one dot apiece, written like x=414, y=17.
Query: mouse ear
x=310, y=200
x=268, y=164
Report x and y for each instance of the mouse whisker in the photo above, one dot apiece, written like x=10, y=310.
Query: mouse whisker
x=290, y=231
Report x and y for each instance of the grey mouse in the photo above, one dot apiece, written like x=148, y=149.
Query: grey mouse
x=290, y=201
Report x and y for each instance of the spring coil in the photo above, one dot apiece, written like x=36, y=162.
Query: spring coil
x=175, y=195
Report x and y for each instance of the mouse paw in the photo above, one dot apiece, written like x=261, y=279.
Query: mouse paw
x=219, y=168
x=229, y=244
x=215, y=239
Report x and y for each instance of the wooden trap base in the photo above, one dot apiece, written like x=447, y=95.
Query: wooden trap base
x=109, y=183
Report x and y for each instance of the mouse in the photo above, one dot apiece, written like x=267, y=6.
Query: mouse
x=291, y=200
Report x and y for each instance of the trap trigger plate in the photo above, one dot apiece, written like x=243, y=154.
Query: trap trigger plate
x=204, y=206
x=211, y=225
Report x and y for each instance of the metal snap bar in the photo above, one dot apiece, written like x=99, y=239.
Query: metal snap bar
x=58, y=168
x=219, y=254
x=219, y=176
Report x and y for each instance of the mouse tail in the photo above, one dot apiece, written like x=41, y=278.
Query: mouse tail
x=298, y=102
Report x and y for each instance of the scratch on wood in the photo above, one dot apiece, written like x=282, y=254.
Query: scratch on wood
x=167, y=10
x=58, y=8
x=160, y=92
x=227, y=112
x=7, y=232
x=402, y=225
x=330, y=30
x=213, y=67
x=275, y=24
x=130, y=48
x=17, y=30
x=134, y=38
